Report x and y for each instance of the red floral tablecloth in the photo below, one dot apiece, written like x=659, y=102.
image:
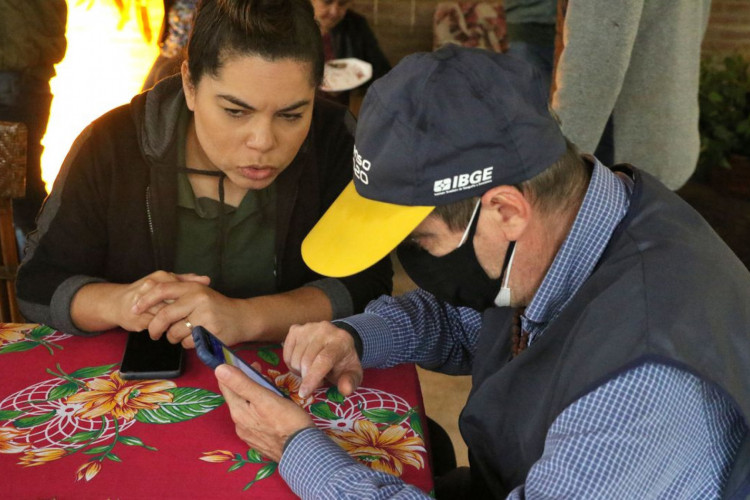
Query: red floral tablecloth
x=70, y=427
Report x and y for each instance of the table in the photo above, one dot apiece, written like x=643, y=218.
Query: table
x=70, y=427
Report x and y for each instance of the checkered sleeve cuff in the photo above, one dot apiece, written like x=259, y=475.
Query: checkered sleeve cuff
x=309, y=462
x=377, y=341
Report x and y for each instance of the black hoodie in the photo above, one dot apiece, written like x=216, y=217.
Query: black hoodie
x=111, y=216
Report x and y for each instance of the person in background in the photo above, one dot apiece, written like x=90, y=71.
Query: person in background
x=531, y=33
x=605, y=325
x=640, y=63
x=532, y=30
x=188, y=205
x=176, y=26
x=32, y=41
x=347, y=34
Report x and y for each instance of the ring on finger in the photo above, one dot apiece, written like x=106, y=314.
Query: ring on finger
x=189, y=325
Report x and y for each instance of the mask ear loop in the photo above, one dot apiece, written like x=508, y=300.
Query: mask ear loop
x=503, y=296
x=471, y=222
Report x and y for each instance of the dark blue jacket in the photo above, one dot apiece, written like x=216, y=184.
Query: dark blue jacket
x=666, y=290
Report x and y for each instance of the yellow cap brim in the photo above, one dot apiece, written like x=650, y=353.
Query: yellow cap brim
x=356, y=232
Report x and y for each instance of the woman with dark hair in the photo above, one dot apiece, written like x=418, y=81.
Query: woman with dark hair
x=188, y=205
x=345, y=34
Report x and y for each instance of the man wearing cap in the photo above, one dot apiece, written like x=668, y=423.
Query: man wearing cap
x=605, y=325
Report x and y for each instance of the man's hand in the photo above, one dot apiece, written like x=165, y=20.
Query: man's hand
x=318, y=351
x=262, y=419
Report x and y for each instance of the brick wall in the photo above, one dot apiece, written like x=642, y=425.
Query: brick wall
x=728, y=28
x=405, y=26
x=402, y=26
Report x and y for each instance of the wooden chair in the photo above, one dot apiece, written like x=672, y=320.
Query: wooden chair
x=13, y=143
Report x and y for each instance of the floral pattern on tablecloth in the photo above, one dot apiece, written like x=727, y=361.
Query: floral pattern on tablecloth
x=374, y=427
x=87, y=411
x=20, y=337
x=74, y=423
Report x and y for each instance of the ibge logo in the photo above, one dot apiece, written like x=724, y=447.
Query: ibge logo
x=361, y=167
x=463, y=181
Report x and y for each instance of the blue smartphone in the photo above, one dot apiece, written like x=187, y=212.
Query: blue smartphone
x=213, y=353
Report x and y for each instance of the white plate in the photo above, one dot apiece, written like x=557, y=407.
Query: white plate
x=345, y=74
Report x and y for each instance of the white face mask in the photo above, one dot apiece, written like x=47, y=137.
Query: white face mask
x=503, y=296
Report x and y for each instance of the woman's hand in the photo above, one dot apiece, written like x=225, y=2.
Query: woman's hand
x=101, y=306
x=266, y=318
x=184, y=304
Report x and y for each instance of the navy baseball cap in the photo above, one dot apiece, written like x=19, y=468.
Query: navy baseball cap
x=438, y=128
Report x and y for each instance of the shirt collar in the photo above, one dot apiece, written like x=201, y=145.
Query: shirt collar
x=604, y=205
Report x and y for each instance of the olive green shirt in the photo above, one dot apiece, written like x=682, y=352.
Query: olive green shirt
x=246, y=265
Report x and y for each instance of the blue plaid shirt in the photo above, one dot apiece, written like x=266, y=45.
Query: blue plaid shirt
x=653, y=431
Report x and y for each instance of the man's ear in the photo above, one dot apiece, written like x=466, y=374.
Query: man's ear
x=187, y=86
x=509, y=209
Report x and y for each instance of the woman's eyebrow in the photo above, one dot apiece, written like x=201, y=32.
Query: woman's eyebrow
x=235, y=101
x=293, y=106
x=242, y=104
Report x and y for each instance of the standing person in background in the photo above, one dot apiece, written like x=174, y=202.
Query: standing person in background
x=347, y=34
x=531, y=33
x=32, y=41
x=638, y=61
x=189, y=204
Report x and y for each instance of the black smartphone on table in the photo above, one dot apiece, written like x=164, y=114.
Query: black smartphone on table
x=214, y=352
x=145, y=358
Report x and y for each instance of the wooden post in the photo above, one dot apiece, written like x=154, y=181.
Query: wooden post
x=13, y=144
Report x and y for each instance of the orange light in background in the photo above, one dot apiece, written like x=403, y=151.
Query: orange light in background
x=105, y=64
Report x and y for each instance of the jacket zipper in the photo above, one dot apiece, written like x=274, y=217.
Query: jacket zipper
x=150, y=220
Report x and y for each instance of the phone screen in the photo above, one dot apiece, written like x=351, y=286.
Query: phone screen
x=150, y=359
x=213, y=353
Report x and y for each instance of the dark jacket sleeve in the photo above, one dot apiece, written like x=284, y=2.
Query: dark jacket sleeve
x=85, y=230
x=63, y=253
